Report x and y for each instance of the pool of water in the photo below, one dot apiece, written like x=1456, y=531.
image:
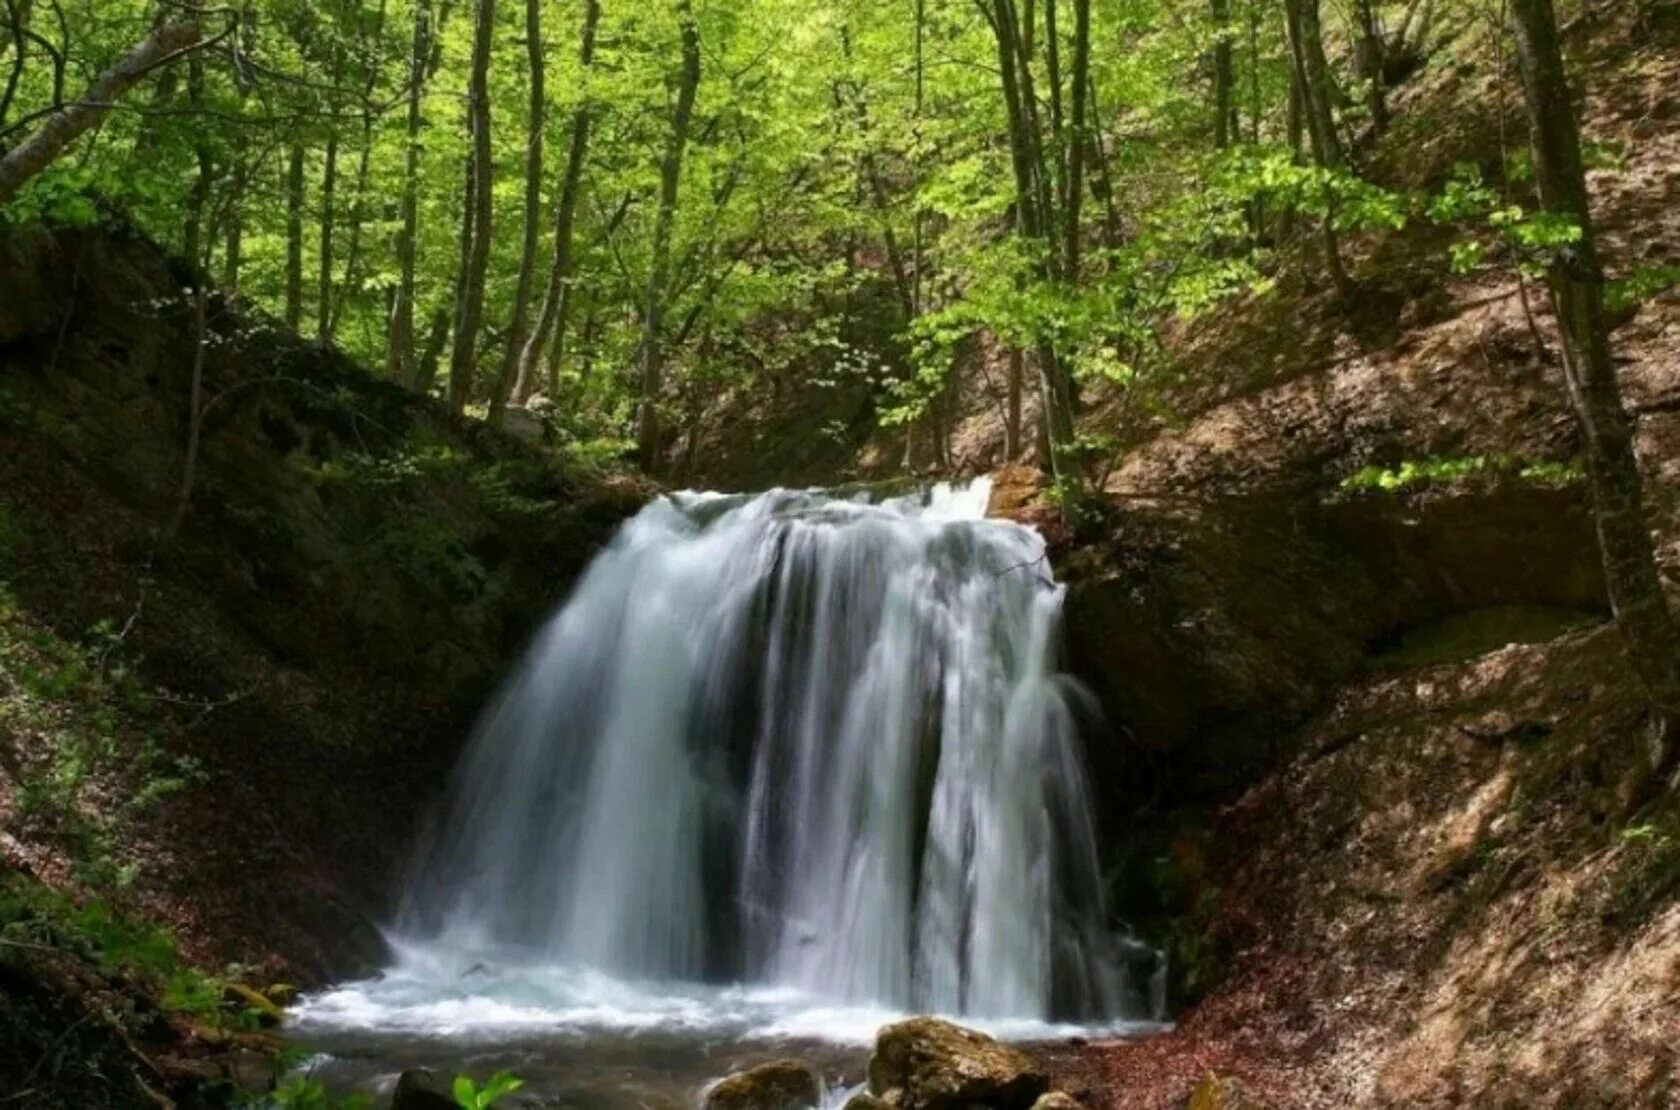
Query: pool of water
x=582, y=1039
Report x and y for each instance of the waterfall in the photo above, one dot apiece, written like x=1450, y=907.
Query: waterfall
x=795, y=740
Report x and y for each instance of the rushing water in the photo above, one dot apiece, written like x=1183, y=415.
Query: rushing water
x=783, y=766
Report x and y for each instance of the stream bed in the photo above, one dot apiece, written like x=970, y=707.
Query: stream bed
x=582, y=1039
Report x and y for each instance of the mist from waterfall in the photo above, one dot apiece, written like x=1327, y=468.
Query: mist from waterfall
x=804, y=743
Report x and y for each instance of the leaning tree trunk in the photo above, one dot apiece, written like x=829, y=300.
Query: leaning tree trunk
x=476, y=220
x=1577, y=285
x=514, y=348
x=670, y=177
x=73, y=119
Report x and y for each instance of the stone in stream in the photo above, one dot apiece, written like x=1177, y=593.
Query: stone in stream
x=422, y=1090
x=1057, y=1100
x=929, y=1064
x=778, y=1085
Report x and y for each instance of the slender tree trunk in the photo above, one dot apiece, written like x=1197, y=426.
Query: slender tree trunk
x=198, y=200
x=437, y=337
x=1577, y=284
x=1058, y=410
x=514, y=348
x=550, y=331
x=670, y=177
x=195, y=415
x=324, y=279
x=1077, y=145
x=358, y=204
x=233, y=243
x=399, y=359
x=1102, y=184
x=294, y=237
x=71, y=120
x=1224, y=106
x=18, y=13
x=476, y=222
x=1372, y=58
x=1312, y=83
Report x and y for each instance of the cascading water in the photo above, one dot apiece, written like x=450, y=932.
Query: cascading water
x=811, y=745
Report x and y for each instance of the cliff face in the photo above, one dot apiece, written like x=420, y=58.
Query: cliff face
x=353, y=571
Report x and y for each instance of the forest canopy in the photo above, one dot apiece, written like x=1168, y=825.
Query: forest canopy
x=634, y=210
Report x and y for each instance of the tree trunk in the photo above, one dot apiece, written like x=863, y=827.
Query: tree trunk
x=1372, y=56
x=514, y=349
x=1030, y=196
x=670, y=177
x=1577, y=284
x=73, y=119
x=198, y=200
x=551, y=319
x=233, y=243
x=1224, y=107
x=358, y=204
x=426, y=367
x=1312, y=85
x=294, y=237
x=1075, y=191
x=476, y=221
x=399, y=358
x=324, y=280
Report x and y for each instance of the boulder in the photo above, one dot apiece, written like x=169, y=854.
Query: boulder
x=778, y=1085
x=422, y=1090
x=863, y=1100
x=1057, y=1100
x=929, y=1064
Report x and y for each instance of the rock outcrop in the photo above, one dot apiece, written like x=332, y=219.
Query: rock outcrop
x=929, y=1064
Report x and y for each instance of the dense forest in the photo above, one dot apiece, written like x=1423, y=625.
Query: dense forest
x=1325, y=352
x=633, y=213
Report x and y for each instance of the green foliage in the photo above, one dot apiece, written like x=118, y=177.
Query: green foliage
x=96, y=754
x=1640, y=286
x=65, y=195
x=1533, y=239
x=302, y=1092
x=36, y=916
x=470, y=1096
x=1445, y=470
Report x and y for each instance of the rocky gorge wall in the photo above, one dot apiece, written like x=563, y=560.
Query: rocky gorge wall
x=353, y=572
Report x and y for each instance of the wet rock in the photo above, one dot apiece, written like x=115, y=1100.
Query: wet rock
x=1057, y=1100
x=778, y=1085
x=422, y=1090
x=928, y=1064
x=863, y=1100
